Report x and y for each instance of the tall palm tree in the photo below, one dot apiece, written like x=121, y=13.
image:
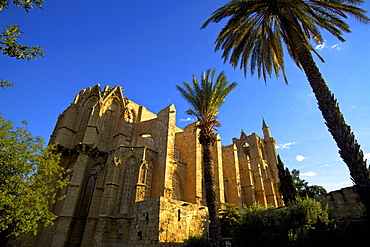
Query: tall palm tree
x=205, y=98
x=255, y=34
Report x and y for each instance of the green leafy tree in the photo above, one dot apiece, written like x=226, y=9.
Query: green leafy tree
x=205, y=98
x=305, y=190
x=230, y=217
x=303, y=223
x=30, y=176
x=196, y=241
x=254, y=36
x=286, y=184
x=9, y=44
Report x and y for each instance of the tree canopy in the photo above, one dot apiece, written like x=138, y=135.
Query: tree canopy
x=205, y=98
x=9, y=45
x=255, y=35
x=30, y=176
x=305, y=190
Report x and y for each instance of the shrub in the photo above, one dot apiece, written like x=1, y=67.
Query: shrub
x=230, y=217
x=304, y=223
x=196, y=241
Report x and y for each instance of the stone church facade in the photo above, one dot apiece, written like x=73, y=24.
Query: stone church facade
x=136, y=178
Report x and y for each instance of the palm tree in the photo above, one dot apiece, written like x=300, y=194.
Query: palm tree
x=205, y=98
x=255, y=33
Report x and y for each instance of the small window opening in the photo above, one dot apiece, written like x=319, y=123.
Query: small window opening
x=179, y=215
x=147, y=217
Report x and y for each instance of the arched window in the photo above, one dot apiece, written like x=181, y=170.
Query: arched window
x=143, y=173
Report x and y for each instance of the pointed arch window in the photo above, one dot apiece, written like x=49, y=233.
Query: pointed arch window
x=143, y=173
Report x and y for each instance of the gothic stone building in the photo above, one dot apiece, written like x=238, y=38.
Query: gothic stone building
x=136, y=178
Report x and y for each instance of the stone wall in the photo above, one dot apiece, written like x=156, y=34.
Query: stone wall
x=344, y=203
x=164, y=220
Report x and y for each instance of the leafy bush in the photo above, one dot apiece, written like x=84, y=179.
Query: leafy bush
x=196, y=241
x=230, y=217
x=304, y=223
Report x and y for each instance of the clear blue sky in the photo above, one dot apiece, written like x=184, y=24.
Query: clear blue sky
x=150, y=46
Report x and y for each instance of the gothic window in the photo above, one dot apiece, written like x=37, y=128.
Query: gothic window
x=147, y=218
x=108, y=125
x=87, y=112
x=246, y=149
x=263, y=151
x=143, y=173
x=148, y=179
x=226, y=190
x=89, y=190
x=130, y=117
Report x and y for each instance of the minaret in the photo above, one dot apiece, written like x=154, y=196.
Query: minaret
x=272, y=160
x=266, y=130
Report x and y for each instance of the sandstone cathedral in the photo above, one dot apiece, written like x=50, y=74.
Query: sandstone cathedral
x=136, y=178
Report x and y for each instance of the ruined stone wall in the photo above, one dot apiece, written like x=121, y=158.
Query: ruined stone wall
x=344, y=203
x=164, y=220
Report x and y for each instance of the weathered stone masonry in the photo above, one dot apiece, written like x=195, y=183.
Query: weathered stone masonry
x=136, y=178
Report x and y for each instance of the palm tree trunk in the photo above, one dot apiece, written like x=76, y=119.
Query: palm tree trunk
x=349, y=149
x=211, y=197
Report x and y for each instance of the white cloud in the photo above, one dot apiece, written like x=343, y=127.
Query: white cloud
x=320, y=46
x=323, y=45
x=300, y=158
x=367, y=156
x=284, y=145
x=336, y=46
x=344, y=183
x=185, y=119
x=309, y=174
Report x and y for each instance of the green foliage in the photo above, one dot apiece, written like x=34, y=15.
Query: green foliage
x=304, y=189
x=230, y=217
x=257, y=30
x=9, y=45
x=30, y=176
x=25, y=4
x=4, y=84
x=286, y=184
x=205, y=98
x=196, y=241
x=307, y=222
x=261, y=227
x=303, y=223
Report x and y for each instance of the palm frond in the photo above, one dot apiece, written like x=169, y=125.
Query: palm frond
x=206, y=97
x=257, y=29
